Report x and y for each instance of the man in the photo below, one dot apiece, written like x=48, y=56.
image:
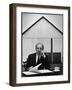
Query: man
x=38, y=60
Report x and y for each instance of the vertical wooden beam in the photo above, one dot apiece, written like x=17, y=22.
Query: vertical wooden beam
x=52, y=50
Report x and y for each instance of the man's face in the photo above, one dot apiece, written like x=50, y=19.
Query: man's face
x=39, y=49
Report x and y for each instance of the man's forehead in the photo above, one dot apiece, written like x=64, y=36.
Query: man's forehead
x=39, y=45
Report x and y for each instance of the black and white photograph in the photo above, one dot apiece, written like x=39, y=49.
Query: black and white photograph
x=39, y=44
x=42, y=44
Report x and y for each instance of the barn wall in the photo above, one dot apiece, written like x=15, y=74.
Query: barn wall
x=43, y=29
x=28, y=19
x=41, y=32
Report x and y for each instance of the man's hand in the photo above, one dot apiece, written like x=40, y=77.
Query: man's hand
x=34, y=68
x=43, y=54
x=30, y=68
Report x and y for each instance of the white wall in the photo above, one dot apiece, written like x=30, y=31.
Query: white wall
x=41, y=32
x=4, y=45
x=29, y=18
x=42, y=29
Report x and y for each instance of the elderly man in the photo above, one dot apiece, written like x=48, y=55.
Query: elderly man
x=38, y=60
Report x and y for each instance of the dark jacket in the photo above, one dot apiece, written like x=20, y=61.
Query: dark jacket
x=31, y=61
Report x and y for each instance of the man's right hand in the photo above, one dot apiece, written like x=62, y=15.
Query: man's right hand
x=34, y=68
x=30, y=68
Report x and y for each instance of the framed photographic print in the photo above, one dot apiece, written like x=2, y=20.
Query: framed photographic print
x=39, y=44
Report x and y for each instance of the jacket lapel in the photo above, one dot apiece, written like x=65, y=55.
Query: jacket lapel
x=34, y=59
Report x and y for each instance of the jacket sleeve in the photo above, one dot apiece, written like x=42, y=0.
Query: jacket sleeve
x=29, y=62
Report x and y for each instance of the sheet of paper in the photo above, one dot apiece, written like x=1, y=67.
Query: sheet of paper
x=44, y=71
x=29, y=73
x=35, y=68
x=37, y=72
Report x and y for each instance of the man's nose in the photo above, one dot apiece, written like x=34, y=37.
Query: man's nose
x=39, y=49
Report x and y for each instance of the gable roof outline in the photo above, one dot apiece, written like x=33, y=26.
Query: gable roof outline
x=47, y=21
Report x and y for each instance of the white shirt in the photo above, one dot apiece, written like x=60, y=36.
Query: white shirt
x=39, y=57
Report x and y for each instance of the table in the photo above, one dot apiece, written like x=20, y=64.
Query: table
x=44, y=72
